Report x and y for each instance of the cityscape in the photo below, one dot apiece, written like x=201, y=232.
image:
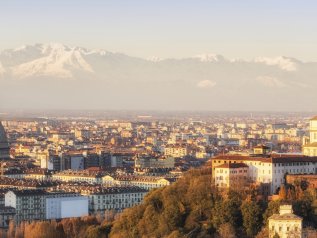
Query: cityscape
x=158, y=119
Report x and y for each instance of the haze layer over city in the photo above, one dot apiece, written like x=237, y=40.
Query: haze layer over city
x=158, y=119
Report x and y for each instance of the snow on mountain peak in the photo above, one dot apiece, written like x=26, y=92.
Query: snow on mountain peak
x=154, y=59
x=56, y=60
x=210, y=58
x=284, y=63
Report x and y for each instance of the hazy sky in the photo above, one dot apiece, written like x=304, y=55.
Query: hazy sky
x=166, y=28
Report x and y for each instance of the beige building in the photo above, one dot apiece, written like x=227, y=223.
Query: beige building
x=310, y=149
x=175, y=151
x=285, y=224
x=146, y=182
x=154, y=162
x=233, y=174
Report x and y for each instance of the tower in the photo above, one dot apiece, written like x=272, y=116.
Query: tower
x=4, y=145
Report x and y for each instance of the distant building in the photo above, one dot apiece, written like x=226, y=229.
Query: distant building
x=51, y=162
x=73, y=161
x=65, y=207
x=146, y=182
x=176, y=151
x=285, y=224
x=310, y=149
x=6, y=215
x=92, y=177
x=154, y=162
x=31, y=204
x=4, y=145
x=261, y=150
x=82, y=133
x=115, y=199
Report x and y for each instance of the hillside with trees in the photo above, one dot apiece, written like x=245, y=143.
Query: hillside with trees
x=191, y=207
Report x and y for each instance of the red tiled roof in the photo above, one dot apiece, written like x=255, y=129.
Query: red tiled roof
x=233, y=165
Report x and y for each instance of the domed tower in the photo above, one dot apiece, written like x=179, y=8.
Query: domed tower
x=4, y=145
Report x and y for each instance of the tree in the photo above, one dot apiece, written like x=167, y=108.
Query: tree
x=282, y=193
x=11, y=230
x=226, y=230
x=94, y=232
x=290, y=195
x=252, y=217
x=264, y=233
x=273, y=208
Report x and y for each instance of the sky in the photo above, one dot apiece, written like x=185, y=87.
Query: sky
x=252, y=35
x=166, y=28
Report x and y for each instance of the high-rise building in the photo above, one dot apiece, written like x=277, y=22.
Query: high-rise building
x=4, y=145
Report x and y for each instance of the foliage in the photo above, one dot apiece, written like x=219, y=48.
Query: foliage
x=191, y=207
x=252, y=217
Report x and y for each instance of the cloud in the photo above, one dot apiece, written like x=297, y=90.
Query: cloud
x=270, y=82
x=206, y=84
x=283, y=63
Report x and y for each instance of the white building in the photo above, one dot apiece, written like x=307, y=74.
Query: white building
x=146, y=182
x=92, y=177
x=114, y=199
x=31, y=204
x=285, y=224
x=270, y=171
x=65, y=207
x=311, y=148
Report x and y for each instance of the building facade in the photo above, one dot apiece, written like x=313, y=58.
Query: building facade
x=270, y=171
x=233, y=174
x=285, y=224
x=310, y=149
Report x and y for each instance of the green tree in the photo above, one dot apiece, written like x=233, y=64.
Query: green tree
x=273, y=208
x=252, y=217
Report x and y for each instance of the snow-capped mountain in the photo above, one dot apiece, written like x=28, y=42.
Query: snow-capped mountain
x=55, y=60
x=35, y=73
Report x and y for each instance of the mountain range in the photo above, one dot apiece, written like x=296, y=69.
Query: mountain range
x=61, y=77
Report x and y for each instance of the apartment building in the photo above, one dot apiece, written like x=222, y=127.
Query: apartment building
x=145, y=182
x=176, y=151
x=269, y=170
x=233, y=174
x=93, y=177
x=31, y=204
x=143, y=162
x=114, y=198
